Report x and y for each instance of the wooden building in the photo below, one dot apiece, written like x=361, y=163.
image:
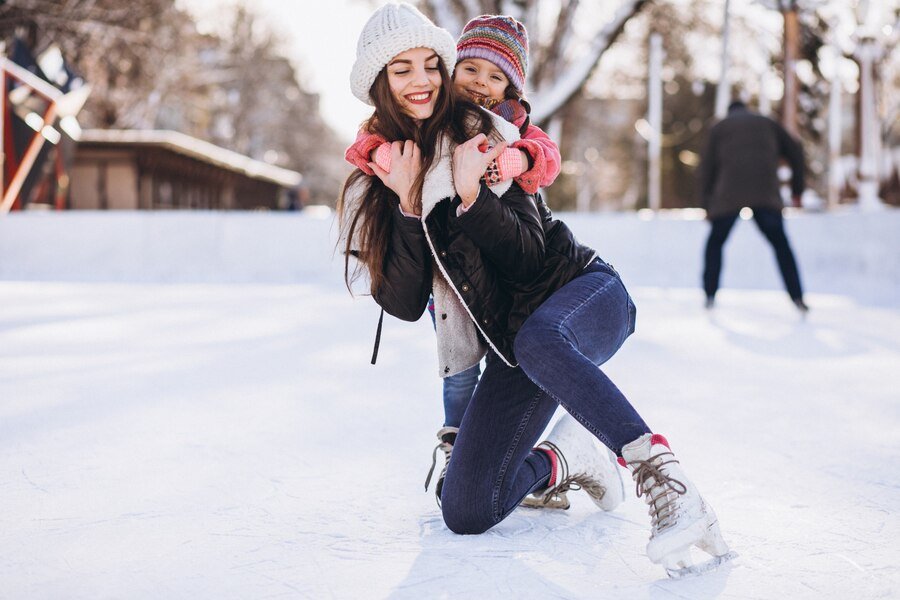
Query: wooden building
x=151, y=169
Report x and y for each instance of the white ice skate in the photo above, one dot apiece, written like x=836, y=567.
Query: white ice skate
x=679, y=517
x=446, y=438
x=580, y=463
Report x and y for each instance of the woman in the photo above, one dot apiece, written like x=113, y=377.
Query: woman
x=507, y=278
x=491, y=71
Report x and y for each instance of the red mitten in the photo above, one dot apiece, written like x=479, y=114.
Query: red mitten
x=359, y=153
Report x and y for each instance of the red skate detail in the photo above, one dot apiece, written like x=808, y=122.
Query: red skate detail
x=657, y=438
x=554, y=467
x=622, y=462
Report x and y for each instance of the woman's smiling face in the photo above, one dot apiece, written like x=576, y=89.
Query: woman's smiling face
x=415, y=81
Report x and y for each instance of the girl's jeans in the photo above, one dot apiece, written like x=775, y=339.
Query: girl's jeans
x=558, y=348
x=458, y=389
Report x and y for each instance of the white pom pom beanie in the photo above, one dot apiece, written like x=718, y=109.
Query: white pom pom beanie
x=392, y=29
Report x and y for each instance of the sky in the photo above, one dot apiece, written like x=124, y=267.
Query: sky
x=321, y=39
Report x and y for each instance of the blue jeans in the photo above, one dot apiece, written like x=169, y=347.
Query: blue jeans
x=458, y=389
x=559, y=349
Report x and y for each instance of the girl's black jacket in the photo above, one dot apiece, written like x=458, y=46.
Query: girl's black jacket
x=504, y=257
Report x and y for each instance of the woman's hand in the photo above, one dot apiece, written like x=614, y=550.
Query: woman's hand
x=469, y=164
x=406, y=162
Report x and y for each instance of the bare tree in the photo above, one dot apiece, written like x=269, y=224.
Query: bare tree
x=260, y=109
x=559, y=67
x=150, y=68
x=790, y=11
x=134, y=56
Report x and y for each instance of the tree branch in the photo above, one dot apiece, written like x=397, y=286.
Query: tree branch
x=445, y=17
x=547, y=102
x=551, y=55
x=471, y=9
x=514, y=8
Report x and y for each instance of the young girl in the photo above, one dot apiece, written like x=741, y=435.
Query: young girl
x=491, y=69
x=509, y=278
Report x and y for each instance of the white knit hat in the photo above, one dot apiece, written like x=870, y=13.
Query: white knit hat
x=392, y=29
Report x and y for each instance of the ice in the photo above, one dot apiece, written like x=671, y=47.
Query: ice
x=187, y=410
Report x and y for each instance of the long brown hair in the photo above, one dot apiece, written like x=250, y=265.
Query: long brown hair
x=366, y=226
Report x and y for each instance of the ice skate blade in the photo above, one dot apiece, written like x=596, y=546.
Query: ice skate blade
x=705, y=567
x=557, y=502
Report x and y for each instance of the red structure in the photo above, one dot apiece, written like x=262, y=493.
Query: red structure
x=32, y=167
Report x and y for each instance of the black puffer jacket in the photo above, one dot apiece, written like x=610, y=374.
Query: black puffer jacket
x=504, y=257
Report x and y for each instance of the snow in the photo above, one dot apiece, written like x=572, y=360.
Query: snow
x=187, y=410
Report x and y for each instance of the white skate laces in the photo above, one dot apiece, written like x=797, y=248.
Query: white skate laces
x=660, y=491
x=679, y=517
x=446, y=438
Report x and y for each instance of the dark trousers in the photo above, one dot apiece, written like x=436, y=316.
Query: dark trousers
x=771, y=225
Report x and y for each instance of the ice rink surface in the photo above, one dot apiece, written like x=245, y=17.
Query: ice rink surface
x=187, y=440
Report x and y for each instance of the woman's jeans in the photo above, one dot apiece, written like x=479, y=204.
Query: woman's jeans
x=558, y=348
x=458, y=389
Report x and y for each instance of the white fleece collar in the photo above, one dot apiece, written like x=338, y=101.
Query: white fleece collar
x=459, y=346
x=439, y=180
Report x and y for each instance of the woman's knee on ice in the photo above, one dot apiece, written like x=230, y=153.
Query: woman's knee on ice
x=463, y=515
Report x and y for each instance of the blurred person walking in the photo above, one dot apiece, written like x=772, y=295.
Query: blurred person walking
x=740, y=169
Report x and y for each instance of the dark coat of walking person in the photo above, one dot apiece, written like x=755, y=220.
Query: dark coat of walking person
x=740, y=169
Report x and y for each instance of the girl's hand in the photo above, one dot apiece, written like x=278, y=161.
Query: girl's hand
x=469, y=164
x=406, y=162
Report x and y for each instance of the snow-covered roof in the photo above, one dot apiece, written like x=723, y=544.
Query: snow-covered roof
x=198, y=149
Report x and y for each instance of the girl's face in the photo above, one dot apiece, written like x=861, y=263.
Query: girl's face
x=479, y=79
x=415, y=81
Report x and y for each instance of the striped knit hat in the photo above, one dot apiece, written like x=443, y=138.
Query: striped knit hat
x=499, y=39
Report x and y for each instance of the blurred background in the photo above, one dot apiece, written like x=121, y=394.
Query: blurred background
x=158, y=104
x=187, y=405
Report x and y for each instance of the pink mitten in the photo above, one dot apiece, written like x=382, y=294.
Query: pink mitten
x=506, y=166
x=383, y=157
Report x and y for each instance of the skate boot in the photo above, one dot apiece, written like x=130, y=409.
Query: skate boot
x=580, y=462
x=446, y=438
x=679, y=517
